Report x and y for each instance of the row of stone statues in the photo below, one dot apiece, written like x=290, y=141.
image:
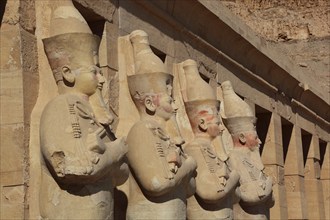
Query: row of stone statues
x=83, y=161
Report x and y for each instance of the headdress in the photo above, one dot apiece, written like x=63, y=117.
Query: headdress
x=200, y=95
x=150, y=73
x=238, y=116
x=71, y=41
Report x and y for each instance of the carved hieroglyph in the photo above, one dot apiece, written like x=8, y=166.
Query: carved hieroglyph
x=255, y=189
x=83, y=161
x=161, y=173
x=215, y=183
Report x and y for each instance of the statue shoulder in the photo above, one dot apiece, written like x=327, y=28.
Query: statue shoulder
x=139, y=127
x=54, y=110
x=193, y=145
x=146, y=128
x=59, y=103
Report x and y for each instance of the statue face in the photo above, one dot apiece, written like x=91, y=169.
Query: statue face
x=247, y=139
x=209, y=122
x=88, y=79
x=214, y=126
x=165, y=106
x=252, y=139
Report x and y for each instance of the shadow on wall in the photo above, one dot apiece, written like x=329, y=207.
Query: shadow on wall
x=2, y=9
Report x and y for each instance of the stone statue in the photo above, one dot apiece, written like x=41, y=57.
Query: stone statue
x=255, y=187
x=83, y=161
x=161, y=175
x=215, y=183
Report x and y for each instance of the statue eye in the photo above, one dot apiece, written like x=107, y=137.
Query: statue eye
x=93, y=70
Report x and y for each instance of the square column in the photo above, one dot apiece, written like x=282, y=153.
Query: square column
x=272, y=157
x=313, y=185
x=325, y=180
x=294, y=177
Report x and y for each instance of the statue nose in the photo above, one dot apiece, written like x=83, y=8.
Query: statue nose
x=175, y=106
x=100, y=78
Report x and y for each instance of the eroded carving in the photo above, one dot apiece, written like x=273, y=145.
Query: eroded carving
x=83, y=161
x=255, y=189
x=215, y=183
x=161, y=173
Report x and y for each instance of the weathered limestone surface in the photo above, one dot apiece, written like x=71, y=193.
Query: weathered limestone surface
x=325, y=180
x=294, y=177
x=272, y=158
x=81, y=163
x=255, y=186
x=161, y=174
x=215, y=182
x=295, y=27
x=18, y=66
x=313, y=185
x=236, y=53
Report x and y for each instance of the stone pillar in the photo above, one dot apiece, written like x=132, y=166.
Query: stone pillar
x=19, y=83
x=294, y=177
x=272, y=158
x=325, y=180
x=313, y=185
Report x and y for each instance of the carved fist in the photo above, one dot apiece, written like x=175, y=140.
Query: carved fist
x=119, y=148
x=191, y=162
x=174, y=157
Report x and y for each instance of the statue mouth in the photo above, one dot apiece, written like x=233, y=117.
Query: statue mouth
x=100, y=86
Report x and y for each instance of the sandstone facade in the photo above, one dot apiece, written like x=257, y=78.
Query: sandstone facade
x=291, y=107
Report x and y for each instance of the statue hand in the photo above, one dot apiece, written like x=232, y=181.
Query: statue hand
x=191, y=163
x=118, y=148
x=174, y=157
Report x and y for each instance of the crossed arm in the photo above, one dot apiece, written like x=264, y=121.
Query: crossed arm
x=71, y=160
x=150, y=169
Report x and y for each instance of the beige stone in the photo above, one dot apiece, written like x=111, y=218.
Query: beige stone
x=17, y=72
x=313, y=184
x=315, y=201
x=296, y=199
x=325, y=179
x=255, y=189
x=280, y=208
x=295, y=154
x=273, y=142
x=12, y=202
x=275, y=77
x=162, y=176
x=82, y=160
x=215, y=183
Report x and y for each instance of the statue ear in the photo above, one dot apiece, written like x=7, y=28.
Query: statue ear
x=67, y=74
x=242, y=138
x=202, y=125
x=149, y=104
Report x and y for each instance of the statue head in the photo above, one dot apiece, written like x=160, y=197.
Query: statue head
x=204, y=118
x=239, y=119
x=145, y=60
x=151, y=85
x=152, y=94
x=202, y=106
x=72, y=51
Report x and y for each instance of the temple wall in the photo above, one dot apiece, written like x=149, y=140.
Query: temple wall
x=293, y=115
